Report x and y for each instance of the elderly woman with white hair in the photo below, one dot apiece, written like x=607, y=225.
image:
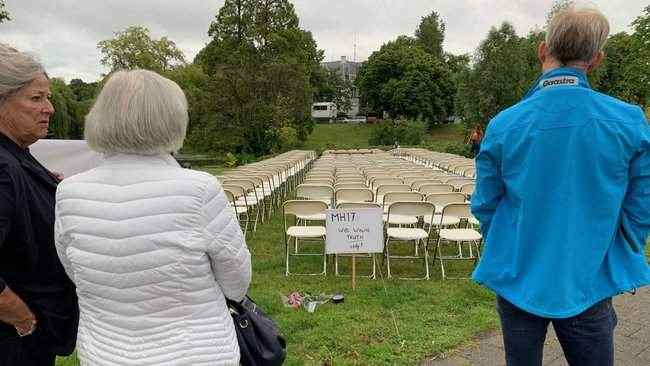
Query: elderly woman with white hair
x=153, y=248
x=38, y=304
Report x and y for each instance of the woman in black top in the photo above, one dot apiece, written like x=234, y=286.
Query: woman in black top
x=38, y=303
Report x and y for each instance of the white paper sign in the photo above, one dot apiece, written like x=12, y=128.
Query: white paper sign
x=65, y=156
x=354, y=231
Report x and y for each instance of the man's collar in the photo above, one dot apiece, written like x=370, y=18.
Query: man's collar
x=559, y=77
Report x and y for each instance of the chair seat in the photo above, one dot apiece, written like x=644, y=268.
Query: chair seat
x=306, y=231
x=241, y=209
x=460, y=234
x=446, y=221
x=315, y=217
x=263, y=192
x=251, y=201
x=401, y=219
x=406, y=233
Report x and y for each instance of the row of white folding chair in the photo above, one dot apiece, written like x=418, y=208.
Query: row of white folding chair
x=246, y=199
x=413, y=210
x=419, y=235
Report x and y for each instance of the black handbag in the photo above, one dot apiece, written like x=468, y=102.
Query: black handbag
x=260, y=341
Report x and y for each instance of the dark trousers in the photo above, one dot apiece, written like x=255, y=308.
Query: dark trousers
x=24, y=352
x=587, y=339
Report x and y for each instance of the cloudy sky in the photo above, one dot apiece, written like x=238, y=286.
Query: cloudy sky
x=64, y=33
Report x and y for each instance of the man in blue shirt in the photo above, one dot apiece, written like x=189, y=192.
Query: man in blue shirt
x=563, y=198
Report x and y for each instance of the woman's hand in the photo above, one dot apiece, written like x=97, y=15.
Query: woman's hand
x=15, y=312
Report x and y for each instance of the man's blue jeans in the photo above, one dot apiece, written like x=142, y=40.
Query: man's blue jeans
x=587, y=339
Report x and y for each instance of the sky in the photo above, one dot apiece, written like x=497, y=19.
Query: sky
x=64, y=34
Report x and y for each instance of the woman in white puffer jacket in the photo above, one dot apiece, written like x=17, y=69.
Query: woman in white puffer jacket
x=152, y=248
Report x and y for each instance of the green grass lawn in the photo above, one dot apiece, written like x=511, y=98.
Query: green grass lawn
x=338, y=136
x=355, y=136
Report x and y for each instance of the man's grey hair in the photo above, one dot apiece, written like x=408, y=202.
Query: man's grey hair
x=576, y=34
x=137, y=112
x=17, y=69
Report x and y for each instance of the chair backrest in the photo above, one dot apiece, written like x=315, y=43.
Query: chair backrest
x=319, y=181
x=381, y=181
x=458, y=182
x=412, y=179
x=338, y=186
x=467, y=188
x=304, y=207
x=350, y=180
x=382, y=189
x=443, y=199
x=420, y=208
x=248, y=184
x=427, y=189
x=391, y=197
x=460, y=210
x=329, y=178
x=235, y=190
x=353, y=205
x=354, y=195
x=422, y=181
x=229, y=196
x=315, y=192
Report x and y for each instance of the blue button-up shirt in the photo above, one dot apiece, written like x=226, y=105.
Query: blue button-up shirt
x=563, y=198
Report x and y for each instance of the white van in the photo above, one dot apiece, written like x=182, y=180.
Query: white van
x=323, y=111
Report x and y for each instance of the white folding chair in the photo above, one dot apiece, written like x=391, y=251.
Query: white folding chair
x=457, y=235
x=419, y=235
x=295, y=209
x=233, y=193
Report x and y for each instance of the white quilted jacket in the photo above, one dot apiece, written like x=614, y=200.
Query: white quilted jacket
x=153, y=249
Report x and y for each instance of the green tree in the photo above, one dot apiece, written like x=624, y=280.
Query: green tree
x=66, y=123
x=505, y=65
x=637, y=73
x=406, y=81
x=430, y=34
x=4, y=14
x=263, y=68
x=134, y=48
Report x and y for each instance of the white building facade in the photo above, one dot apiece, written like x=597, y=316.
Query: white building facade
x=347, y=70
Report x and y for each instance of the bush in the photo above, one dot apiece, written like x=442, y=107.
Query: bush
x=402, y=132
x=382, y=134
x=410, y=132
x=460, y=149
x=231, y=160
x=288, y=137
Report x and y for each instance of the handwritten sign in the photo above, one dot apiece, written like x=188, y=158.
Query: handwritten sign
x=352, y=231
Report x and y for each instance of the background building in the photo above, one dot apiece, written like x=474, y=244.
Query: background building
x=347, y=70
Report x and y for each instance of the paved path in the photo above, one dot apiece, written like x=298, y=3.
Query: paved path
x=632, y=340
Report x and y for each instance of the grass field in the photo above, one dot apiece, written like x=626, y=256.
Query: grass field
x=355, y=136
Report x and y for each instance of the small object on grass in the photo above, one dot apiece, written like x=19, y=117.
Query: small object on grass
x=294, y=300
x=338, y=298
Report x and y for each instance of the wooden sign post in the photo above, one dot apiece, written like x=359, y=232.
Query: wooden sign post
x=354, y=231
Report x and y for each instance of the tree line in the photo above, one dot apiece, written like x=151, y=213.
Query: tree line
x=250, y=89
